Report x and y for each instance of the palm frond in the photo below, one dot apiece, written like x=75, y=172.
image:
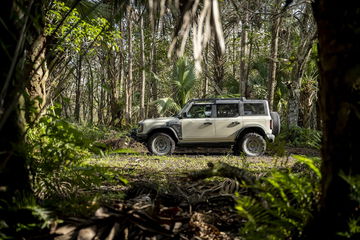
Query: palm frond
x=166, y=106
x=183, y=79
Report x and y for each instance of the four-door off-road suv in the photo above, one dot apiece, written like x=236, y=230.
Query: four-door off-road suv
x=238, y=122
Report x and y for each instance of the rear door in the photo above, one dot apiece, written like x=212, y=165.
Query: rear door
x=256, y=114
x=227, y=122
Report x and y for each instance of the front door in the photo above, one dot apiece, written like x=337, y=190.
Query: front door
x=198, y=125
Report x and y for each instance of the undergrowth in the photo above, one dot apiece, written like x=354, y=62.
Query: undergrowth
x=294, y=137
x=301, y=137
x=60, y=178
x=283, y=204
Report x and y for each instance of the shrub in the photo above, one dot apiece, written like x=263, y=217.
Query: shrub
x=301, y=137
x=56, y=149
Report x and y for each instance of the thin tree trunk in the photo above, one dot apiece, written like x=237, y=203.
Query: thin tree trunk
x=206, y=77
x=295, y=86
x=78, y=90
x=234, y=37
x=91, y=94
x=244, y=52
x=114, y=93
x=248, y=90
x=275, y=29
x=218, y=67
x=129, y=84
x=143, y=79
x=102, y=96
x=153, y=70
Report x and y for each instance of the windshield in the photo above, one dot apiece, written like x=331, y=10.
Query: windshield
x=184, y=108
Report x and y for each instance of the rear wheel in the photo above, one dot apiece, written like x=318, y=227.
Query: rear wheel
x=161, y=144
x=253, y=144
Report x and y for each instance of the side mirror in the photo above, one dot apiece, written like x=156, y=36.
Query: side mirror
x=183, y=115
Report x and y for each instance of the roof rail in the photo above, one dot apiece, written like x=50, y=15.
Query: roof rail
x=214, y=99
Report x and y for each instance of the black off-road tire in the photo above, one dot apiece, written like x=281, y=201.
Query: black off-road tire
x=253, y=144
x=161, y=144
x=276, y=123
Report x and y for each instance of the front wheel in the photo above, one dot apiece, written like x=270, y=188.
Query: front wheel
x=161, y=144
x=253, y=144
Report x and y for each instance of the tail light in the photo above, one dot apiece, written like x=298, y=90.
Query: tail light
x=271, y=124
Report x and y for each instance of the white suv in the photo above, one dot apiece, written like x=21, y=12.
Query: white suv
x=238, y=122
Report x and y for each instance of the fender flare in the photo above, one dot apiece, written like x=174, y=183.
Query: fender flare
x=166, y=128
x=250, y=128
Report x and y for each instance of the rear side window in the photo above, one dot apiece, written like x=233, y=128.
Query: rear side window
x=227, y=110
x=254, y=109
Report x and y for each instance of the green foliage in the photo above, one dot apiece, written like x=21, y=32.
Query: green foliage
x=182, y=81
x=21, y=217
x=301, y=137
x=166, y=106
x=282, y=205
x=56, y=150
x=354, y=221
x=76, y=34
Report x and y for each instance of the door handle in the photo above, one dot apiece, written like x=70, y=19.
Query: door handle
x=207, y=123
x=235, y=123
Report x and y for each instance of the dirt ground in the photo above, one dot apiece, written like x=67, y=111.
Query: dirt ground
x=163, y=201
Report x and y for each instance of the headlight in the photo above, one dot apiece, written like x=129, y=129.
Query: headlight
x=141, y=127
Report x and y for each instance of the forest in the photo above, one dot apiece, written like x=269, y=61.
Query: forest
x=77, y=76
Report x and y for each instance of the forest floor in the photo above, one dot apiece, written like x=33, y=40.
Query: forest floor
x=152, y=197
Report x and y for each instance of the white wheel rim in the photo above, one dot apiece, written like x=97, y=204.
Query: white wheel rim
x=254, y=145
x=162, y=144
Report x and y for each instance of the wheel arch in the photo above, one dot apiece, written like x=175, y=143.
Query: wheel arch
x=171, y=132
x=255, y=129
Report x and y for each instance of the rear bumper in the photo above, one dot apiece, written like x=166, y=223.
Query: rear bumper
x=270, y=137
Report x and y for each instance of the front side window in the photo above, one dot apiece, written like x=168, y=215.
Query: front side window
x=227, y=110
x=254, y=109
x=199, y=111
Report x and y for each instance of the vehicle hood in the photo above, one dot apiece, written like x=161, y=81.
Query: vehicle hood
x=159, y=120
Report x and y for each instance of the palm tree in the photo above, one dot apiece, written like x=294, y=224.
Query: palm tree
x=183, y=79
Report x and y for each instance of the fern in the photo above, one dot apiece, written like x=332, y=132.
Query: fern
x=282, y=206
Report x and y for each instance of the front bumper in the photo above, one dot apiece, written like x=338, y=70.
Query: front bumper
x=140, y=137
x=270, y=137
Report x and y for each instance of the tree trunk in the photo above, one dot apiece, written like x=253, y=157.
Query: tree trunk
x=128, y=90
x=218, y=67
x=206, y=77
x=114, y=90
x=307, y=34
x=143, y=79
x=153, y=70
x=91, y=94
x=275, y=29
x=339, y=50
x=38, y=77
x=78, y=90
x=15, y=37
x=244, y=53
x=295, y=86
x=101, y=104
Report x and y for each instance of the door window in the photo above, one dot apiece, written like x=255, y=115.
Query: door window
x=227, y=110
x=199, y=111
